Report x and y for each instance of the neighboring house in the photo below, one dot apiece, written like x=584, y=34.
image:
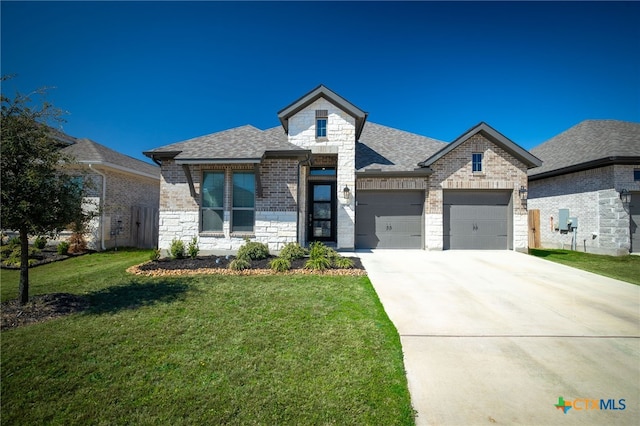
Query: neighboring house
x=584, y=170
x=326, y=174
x=124, y=191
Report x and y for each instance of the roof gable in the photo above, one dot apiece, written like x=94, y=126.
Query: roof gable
x=323, y=92
x=588, y=144
x=494, y=136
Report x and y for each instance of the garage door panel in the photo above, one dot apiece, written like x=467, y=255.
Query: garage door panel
x=476, y=220
x=389, y=219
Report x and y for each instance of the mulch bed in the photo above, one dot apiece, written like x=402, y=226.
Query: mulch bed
x=220, y=265
x=40, y=308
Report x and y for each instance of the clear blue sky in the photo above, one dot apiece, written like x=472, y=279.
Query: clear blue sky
x=138, y=75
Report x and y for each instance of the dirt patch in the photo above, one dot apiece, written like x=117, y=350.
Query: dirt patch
x=40, y=308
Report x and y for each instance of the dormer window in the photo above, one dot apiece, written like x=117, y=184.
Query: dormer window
x=322, y=117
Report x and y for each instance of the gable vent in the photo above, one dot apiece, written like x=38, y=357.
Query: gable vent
x=322, y=113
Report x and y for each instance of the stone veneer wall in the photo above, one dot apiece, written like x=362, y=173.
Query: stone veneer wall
x=593, y=197
x=453, y=171
x=275, y=211
x=340, y=141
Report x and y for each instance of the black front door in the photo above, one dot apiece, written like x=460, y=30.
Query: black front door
x=322, y=211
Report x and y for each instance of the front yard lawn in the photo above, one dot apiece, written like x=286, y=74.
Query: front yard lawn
x=625, y=268
x=294, y=349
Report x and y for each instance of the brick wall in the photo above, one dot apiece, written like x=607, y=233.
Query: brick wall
x=593, y=197
x=275, y=210
x=454, y=171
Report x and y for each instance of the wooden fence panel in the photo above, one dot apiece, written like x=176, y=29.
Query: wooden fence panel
x=144, y=227
x=534, y=228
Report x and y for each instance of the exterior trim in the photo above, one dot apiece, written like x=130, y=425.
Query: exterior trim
x=609, y=161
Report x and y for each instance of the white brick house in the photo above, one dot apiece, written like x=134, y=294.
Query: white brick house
x=326, y=174
x=586, y=171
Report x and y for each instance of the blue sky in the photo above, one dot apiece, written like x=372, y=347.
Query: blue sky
x=138, y=75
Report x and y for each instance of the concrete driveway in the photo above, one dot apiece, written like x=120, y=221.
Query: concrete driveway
x=496, y=337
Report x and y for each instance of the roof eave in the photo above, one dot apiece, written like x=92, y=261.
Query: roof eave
x=425, y=171
x=607, y=161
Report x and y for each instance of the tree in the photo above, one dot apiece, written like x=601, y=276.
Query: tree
x=38, y=196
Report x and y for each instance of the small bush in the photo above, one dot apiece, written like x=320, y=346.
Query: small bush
x=14, y=241
x=155, y=255
x=77, y=243
x=317, y=250
x=293, y=251
x=239, y=264
x=63, y=248
x=193, y=248
x=40, y=242
x=253, y=250
x=318, y=263
x=342, y=262
x=280, y=264
x=176, y=249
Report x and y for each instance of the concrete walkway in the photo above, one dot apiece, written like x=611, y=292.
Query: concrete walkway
x=495, y=337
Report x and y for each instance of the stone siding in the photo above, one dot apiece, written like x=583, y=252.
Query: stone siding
x=454, y=171
x=593, y=197
x=340, y=141
x=275, y=208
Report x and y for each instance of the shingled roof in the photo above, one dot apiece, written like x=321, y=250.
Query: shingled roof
x=589, y=144
x=240, y=144
x=86, y=151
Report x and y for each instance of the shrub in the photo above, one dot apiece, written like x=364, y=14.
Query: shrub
x=253, y=250
x=155, y=255
x=40, y=242
x=193, y=248
x=317, y=250
x=176, y=249
x=293, y=251
x=63, y=247
x=280, y=264
x=239, y=264
x=318, y=263
x=342, y=262
x=77, y=243
x=14, y=241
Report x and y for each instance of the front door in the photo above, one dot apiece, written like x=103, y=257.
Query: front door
x=322, y=211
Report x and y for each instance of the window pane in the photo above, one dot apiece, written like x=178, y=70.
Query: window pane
x=636, y=174
x=213, y=189
x=321, y=228
x=322, y=192
x=212, y=220
x=244, y=186
x=242, y=221
x=321, y=127
x=322, y=210
x=477, y=162
x=323, y=171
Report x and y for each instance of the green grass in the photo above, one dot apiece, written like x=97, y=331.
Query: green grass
x=625, y=268
x=204, y=350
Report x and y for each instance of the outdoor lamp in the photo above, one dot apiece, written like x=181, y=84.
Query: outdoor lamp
x=523, y=193
x=346, y=192
x=625, y=196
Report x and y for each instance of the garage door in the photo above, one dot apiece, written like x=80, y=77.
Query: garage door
x=477, y=220
x=634, y=211
x=390, y=220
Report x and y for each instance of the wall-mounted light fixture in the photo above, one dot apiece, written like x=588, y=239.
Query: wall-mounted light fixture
x=523, y=193
x=625, y=196
x=346, y=193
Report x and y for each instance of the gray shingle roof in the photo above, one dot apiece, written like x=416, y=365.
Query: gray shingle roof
x=389, y=149
x=239, y=143
x=88, y=151
x=586, y=144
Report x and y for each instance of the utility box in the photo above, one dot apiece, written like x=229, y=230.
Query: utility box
x=563, y=220
x=573, y=223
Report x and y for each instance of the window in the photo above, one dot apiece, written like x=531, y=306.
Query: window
x=323, y=171
x=636, y=174
x=476, y=162
x=243, y=209
x=321, y=123
x=212, y=211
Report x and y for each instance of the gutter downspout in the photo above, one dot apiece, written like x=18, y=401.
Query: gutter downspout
x=104, y=196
